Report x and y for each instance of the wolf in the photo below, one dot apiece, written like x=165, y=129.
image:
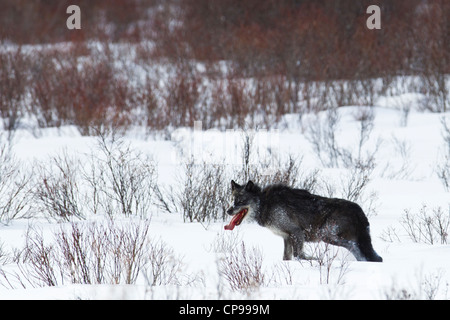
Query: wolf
x=298, y=216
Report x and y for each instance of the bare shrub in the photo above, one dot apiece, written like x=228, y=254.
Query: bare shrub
x=243, y=269
x=14, y=189
x=236, y=102
x=79, y=87
x=428, y=287
x=353, y=186
x=321, y=133
x=13, y=84
x=274, y=96
x=98, y=254
x=114, y=179
x=403, y=149
x=204, y=190
x=431, y=284
x=274, y=44
x=322, y=136
x=282, y=274
x=97, y=93
x=40, y=268
x=230, y=103
x=366, y=117
x=119, y=179
x=55, y=190
x=182, y=96
x=50, y=101
x=204, y=199
x=203, y=194
x=390, y=235
x=94, y=253
x=148, y=97
x=432, y=66
x=396, y=293
x=288, y=172
x=426, y=227
x=359, y=178
x=443, y=168
x=333, y=264
x=269, y=168
x=359, y=161
x=163, y=267
x=225, y=242
x=443, y=172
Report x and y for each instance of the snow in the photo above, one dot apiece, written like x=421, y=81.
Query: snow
x=408, y=268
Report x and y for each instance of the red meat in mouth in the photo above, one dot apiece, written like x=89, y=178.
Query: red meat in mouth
x=237, y=219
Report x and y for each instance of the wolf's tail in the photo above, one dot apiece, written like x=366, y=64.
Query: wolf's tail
x=365, y=246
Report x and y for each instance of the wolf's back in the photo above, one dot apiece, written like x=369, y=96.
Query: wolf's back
x=299, y=205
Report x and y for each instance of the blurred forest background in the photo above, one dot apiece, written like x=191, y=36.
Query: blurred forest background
x=260, y=59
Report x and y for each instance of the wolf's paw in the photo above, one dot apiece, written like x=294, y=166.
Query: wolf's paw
x=304, y=257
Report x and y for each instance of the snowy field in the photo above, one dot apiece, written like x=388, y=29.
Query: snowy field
x=404, y=179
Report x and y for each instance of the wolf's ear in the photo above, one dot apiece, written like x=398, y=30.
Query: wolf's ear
x=250, y=186
x=234, y=185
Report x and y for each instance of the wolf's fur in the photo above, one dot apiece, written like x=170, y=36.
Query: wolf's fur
x=298, y=216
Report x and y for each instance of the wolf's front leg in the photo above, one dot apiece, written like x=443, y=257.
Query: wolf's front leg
x=287, y=255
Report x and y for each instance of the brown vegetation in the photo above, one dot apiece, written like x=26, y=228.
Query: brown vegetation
x=261, y=60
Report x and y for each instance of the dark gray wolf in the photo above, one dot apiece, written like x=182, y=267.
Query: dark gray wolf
x=299, y=216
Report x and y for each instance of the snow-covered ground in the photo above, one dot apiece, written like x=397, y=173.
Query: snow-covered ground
x=404, y=179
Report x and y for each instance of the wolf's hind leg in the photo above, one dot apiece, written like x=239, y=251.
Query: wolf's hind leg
x=297, y=240
x=354, y=249
x=351, y=246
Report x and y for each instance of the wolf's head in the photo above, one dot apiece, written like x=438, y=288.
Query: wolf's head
x=245, y=205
